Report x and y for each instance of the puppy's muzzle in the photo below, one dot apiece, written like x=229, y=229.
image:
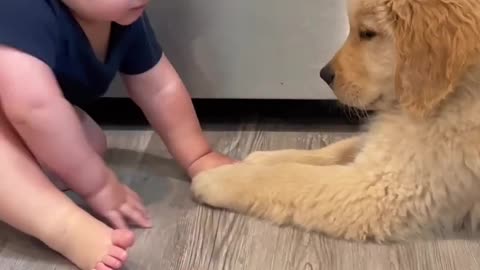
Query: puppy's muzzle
x=327, y=74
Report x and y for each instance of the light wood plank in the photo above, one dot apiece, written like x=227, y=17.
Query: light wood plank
x=189, y=236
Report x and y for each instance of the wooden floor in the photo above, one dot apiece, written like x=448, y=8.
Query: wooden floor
x=187, y=236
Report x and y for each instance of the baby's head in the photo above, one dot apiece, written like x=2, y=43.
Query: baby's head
x=123, y=12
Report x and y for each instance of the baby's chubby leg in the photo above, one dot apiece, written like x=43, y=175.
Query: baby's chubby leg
x=31, y=204
x=93, y=131
x=132, y=208
x=95, y=136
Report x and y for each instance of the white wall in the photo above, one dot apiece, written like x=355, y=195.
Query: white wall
x=249, y=48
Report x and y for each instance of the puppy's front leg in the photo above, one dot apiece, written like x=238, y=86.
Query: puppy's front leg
x=340, y=152
x=340, y=201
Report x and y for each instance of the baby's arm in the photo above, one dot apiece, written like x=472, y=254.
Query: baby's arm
x=35, y=106
x=162, y=96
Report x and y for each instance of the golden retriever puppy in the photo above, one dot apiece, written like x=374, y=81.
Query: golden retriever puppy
x=417, y=168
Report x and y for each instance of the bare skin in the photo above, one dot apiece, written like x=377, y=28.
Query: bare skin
x=95, y=137
x=65, y=227
x=39, y=126
x=51, y=130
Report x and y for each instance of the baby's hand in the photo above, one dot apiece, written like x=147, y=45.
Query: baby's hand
x=119, y=204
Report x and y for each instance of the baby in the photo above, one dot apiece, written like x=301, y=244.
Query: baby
x=56, y=56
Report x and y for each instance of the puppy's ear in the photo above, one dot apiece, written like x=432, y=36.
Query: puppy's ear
x=436, y=42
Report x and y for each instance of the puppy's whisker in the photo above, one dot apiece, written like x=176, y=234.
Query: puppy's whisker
x=364, y=112
x=351, y=112
x=346, y=111
x=357, y=113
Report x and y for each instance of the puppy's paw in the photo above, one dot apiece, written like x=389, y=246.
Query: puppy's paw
x=260, y=157
x=222, y=187
x=271, y=157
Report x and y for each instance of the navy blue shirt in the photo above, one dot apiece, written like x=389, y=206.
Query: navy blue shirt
x=47, y=30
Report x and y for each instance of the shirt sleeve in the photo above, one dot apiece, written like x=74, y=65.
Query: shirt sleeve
x=30, y=27
x=144, y=51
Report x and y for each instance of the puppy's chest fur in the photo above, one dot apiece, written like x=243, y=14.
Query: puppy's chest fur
x=442, y=150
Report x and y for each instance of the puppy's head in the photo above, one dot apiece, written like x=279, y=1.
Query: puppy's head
x=410, y=52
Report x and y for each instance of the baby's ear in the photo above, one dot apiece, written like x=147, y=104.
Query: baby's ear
x=436, y=42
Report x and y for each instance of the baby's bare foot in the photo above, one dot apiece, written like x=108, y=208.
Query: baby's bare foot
x=89, y=243
x=117, y=254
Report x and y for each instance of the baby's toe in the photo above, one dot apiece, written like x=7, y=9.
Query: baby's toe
x=112, y=262
x=102, y=266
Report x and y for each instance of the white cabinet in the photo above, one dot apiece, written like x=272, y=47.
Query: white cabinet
x=258, y=49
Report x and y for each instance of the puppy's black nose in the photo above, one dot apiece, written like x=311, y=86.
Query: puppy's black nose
x=327, y=74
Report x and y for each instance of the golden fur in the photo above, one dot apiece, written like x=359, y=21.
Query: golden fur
x=417, y=168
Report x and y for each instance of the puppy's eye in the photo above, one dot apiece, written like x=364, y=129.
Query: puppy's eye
x=367, y=34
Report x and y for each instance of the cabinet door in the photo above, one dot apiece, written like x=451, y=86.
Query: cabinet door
x=260, y=49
